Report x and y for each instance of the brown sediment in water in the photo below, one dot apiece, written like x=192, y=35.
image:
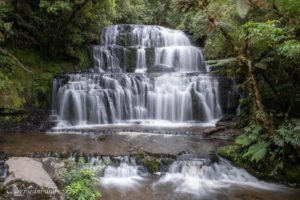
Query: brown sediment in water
x=123, y=143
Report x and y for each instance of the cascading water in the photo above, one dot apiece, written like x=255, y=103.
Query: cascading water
x=186, y=179
x=180, y=92
x=201, y=177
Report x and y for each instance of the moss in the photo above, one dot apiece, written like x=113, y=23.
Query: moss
x=102, y=137
x=2, y=190
x=155, y=155
x=152, y=164
x=140, y=155
x=25, y=90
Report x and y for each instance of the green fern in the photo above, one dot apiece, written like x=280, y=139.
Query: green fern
x=243, y=140
x=257, y=151
x=253, y=132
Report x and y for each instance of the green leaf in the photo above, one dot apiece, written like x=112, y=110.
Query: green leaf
x=243, y=140
x=257, y=151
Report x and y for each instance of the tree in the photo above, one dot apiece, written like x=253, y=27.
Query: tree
x=63, y=26
x=266, y=34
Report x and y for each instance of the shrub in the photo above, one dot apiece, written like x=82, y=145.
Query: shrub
x=78, y=181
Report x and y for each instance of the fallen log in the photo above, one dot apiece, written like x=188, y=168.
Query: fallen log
x=214, y=130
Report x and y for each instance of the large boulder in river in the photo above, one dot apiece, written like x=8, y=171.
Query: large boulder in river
x=52, y=165
x=28, y=178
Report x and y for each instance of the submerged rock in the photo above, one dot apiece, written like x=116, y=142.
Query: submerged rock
x=102, y=137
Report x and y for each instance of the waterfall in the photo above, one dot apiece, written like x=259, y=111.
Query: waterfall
x=140, y=73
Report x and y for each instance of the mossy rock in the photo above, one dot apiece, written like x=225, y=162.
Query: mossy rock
x=102, y=137
x=2, y=190
x=165, y=162
x=114, y=161
x=152, y=164
x=139, y=156
x=155, y=155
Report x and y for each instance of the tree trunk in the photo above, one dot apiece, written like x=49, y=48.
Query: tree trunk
x=246, y=58
x=258, y=100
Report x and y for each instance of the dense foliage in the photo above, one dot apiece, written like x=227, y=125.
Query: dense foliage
x=39, y=39
x=78, y=180
x=264, y=37
x=144, y=12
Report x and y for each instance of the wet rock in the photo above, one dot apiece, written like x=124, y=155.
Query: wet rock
x=62, y=78
x=160, y=68
x=65, y=154
x=47, y=125
x=229, y=96
x=3, y=170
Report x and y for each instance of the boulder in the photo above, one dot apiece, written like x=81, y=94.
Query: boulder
x=27, y=177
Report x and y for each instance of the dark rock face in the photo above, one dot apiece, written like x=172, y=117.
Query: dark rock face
x=229, y=96
x=160, y=68
x=3, y=169
x=27, y=121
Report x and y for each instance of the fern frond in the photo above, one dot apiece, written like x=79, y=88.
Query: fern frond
x=257, y=151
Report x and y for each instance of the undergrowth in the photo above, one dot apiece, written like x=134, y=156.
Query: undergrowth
x=269, y=156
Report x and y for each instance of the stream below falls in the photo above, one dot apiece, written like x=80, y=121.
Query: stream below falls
x=188, y=168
